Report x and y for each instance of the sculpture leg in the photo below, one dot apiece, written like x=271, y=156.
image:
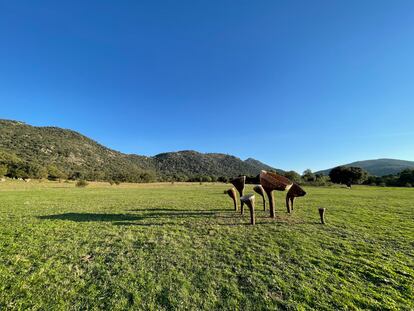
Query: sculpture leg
x=264, y=203
x=287, y=204
x=292, y=199
x=241, y=203
x=252, y=218
x=271, y=203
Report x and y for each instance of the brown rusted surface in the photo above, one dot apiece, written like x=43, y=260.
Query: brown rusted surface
x=294, y=192
x=249, y=201
x=232, y=194
x=239, y=183
x=322, y=214
x=272, y=181
x=271, y=201
x=259, y=190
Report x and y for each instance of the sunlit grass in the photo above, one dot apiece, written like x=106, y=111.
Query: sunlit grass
x=181, y=246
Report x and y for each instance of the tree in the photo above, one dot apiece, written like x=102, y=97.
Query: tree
x=348, y=175
x=3, y=170
x=18, y=171
x=36, y=171
x=406, y=177
x=55, y=174
x=293, y=176
x=308, y=175
x=321, y=180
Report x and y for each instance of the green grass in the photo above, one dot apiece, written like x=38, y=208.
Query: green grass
x=176, y=247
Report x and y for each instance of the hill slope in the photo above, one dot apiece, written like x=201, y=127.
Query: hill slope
x=78, y=155
x=379, y=167
x=192, y=163
x=261, y=166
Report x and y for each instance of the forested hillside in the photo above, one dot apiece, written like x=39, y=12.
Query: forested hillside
x=36, y=152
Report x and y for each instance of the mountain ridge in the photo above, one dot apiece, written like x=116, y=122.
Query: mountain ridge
x=78, y=155
x=379, y=167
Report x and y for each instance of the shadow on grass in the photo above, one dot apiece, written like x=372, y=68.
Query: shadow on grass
x=129, y=219
x=164, y=217
x=82, y=217
x=178, y=210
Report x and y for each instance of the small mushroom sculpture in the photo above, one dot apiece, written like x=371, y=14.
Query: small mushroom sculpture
x=232, y=194
x=249, y=201
x=239, y=183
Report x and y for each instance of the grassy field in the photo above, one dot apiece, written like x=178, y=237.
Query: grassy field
x=182, y=247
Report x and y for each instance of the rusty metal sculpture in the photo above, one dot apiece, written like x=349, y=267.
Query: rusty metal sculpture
x=232, y=194
x=249, y=201
x=294, y=192
x=239, y=183
x=272, y=181
x=259, y=190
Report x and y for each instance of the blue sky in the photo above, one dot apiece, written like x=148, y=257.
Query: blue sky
x=295, y=84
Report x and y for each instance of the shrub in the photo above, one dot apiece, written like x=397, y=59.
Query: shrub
x=81, y=183
x=3, y=170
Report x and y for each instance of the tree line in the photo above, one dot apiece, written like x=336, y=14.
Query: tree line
x=13, y=167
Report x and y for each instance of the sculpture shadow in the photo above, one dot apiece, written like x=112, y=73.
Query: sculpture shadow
x=176, y=210
x=165, y=217
x=85, y=217
x=129, y=219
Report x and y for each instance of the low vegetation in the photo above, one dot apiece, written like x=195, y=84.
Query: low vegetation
x=181, y=246
x=81, y=183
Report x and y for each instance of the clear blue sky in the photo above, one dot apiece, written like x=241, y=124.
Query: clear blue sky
x=295, y=84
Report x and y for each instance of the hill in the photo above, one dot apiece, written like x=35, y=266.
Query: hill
x=78, y=156
x=379, y=167
x=261, y=166
x=193, y=163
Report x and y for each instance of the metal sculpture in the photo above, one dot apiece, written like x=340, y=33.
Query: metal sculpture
x=249, y=201
x=232, y=194
x=294, y=192
x=239, y=183
x=272, y=181
x=259, y=190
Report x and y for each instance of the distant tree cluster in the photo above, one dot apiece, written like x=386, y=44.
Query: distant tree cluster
x=403, y=179
x=308, y=178
x=348, y=175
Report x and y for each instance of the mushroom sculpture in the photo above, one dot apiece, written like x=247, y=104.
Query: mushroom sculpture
x=294, y=192
x=239, y=183
x=272, y=181
x=249, y=201
x=232, y=194
x=259, y=190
